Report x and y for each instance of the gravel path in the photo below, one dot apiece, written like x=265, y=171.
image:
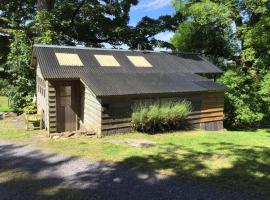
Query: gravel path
x=74, y=178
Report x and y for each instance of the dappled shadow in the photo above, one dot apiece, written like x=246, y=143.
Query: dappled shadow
x=54, y=176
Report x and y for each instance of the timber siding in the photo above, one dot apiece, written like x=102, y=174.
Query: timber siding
x=91, y=111
x=207, y=111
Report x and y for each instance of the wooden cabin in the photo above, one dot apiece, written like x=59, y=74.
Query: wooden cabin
x=93, y=89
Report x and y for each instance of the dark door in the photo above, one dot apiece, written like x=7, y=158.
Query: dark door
x=66, y=108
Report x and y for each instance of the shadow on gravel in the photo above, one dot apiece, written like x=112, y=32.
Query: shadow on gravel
x=26, y=174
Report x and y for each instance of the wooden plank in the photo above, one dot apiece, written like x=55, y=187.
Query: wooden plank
x=115, y=126
x=213, y=114
x=118, y=120
x=211, y=119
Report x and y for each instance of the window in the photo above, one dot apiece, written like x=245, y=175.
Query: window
x=68, y=59
x=107, y=61
x=139, y=61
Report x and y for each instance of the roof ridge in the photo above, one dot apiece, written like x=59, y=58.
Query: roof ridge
x=93, y=48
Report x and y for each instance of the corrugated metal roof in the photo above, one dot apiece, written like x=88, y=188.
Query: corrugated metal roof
x=169, y=74
x=136, y=83
x=161, y=62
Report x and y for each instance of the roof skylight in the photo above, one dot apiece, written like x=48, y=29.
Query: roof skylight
x=68, y=59
x=107, y=61
x=139, y=61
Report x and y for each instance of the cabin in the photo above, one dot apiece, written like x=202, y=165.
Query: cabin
x=94, y=89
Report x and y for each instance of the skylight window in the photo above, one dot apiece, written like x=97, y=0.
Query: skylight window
x=107, y=61
x=68, y=59
x=139, y=61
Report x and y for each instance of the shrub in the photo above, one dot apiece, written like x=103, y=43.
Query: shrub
x=30, y=107
x=160, y=116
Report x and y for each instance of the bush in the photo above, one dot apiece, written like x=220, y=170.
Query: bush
x=160, y=116
x=30, y=107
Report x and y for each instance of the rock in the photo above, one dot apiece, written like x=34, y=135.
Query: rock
x=2, y=115
x=56, y=137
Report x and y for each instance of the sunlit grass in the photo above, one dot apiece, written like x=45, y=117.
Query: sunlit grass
x=227, y=158
x=4, y=104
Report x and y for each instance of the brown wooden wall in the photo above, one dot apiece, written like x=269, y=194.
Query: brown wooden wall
x=207, y=111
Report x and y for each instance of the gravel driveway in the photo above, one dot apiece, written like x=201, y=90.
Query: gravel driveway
x=75, y=178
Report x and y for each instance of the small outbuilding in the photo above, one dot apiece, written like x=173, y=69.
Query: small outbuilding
x=93, y=89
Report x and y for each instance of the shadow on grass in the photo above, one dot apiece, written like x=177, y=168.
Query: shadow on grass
x=28, y=174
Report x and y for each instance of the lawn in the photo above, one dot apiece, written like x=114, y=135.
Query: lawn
x=4, y=104
x=232, y=159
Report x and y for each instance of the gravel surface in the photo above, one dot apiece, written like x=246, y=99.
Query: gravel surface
x=76, y=178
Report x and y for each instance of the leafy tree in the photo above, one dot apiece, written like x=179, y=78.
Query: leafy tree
x=235, y=32
x=22, y=88
x=242, y=103
x=207, y=30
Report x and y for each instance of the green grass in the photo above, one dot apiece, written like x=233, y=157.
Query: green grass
x=233, y=159
x=4, y=104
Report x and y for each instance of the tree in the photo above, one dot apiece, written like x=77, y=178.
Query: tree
x=235, y=32
x=207, y=30
x=21, y=76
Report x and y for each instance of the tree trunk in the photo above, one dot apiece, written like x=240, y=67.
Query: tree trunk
x=45, y=5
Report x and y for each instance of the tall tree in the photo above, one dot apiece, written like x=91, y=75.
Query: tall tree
x=215, y=28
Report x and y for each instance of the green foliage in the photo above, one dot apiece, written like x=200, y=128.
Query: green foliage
x=30, y=108
x=21, y=81
x=44, y=29
x=265, y=92
x=243, y=105
x=160, y=116
x=207, y=30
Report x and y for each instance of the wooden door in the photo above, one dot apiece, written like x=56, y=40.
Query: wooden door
x=66, y=108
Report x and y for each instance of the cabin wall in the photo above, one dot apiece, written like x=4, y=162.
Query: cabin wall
x=91, y=110
x=41, y=93
x=212, y=111
x=207, y=111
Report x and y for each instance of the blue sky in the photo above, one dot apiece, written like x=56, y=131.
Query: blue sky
x=153, y=9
